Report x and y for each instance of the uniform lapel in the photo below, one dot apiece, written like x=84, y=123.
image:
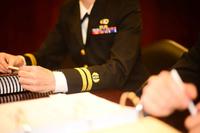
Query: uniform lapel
x=93, y=20
x=76, y=24
x=94, y=17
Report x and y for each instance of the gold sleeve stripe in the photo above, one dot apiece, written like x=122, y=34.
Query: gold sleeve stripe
x=84, y=81
x=32, y=58
x=89, y=78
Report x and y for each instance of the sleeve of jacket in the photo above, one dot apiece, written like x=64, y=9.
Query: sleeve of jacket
x=189, y=66
x=124, y=56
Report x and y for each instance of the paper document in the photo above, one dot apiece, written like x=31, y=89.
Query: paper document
x=74, y=113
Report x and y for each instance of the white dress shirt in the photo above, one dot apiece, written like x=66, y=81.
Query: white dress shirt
x=84, y=24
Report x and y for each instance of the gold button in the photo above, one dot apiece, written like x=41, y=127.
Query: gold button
x=86, y=66
x=82, y=52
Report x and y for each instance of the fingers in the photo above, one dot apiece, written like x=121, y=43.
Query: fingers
x=198, y=106
x=3, y=63
x=26, y=72
x=20, y=61
x=10, y=60
x=181, y=100
x=3, y=69
x=30, y=83
x=161, y=96
x=154, y=106
x=37, y=79
x=36, y=88
x=28, y=76
x=195, y=130
x=156, y=99
x=192, y=123
x=191, y=91
x=30, y=69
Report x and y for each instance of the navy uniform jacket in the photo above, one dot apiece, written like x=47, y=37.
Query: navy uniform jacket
x=189, y=66
x=111, y=55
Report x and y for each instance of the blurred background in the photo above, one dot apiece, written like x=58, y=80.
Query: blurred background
x=24, y=24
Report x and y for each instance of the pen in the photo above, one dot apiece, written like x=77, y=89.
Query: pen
x=13, y=68
x=135, y=100
x=140, y=110
x=175, y=76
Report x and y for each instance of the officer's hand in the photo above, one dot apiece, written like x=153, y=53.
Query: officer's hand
x=10, y=60
x=161, y=96
x=193, y=122
x=36, y=79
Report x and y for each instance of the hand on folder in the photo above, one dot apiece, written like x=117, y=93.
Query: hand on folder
x=10, y=60
x=36, y=79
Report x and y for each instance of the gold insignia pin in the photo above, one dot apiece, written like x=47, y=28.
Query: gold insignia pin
x=104, y=21
x=101, y=27
x=95, y=77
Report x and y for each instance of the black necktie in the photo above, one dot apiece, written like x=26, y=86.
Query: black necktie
x=85, y=16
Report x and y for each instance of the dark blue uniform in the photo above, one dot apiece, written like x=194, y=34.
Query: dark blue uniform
x=111, y=56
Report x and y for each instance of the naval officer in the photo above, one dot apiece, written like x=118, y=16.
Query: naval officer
x=101, y=39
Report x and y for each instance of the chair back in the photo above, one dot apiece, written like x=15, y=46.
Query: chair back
x=162, y=55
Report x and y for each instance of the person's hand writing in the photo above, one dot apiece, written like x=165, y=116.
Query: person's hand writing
x=161, y=96
x=36, y=79
x=10, y=60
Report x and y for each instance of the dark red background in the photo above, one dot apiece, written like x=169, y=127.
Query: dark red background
x=24, y=24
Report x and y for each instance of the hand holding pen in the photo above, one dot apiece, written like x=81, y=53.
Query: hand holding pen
x=10, y=60
x=165, y=93
x=175, y=76
x=14, y=70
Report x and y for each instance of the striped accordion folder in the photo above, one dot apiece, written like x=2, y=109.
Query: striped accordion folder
x=9, y=84
x=11, y=90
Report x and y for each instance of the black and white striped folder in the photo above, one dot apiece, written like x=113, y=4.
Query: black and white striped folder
x=9, y=84
x=11, y=90
x=26, y=95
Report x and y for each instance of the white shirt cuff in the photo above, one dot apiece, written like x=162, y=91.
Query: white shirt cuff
x=61, y=82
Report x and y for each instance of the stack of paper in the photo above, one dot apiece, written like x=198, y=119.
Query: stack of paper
x=75, y=113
